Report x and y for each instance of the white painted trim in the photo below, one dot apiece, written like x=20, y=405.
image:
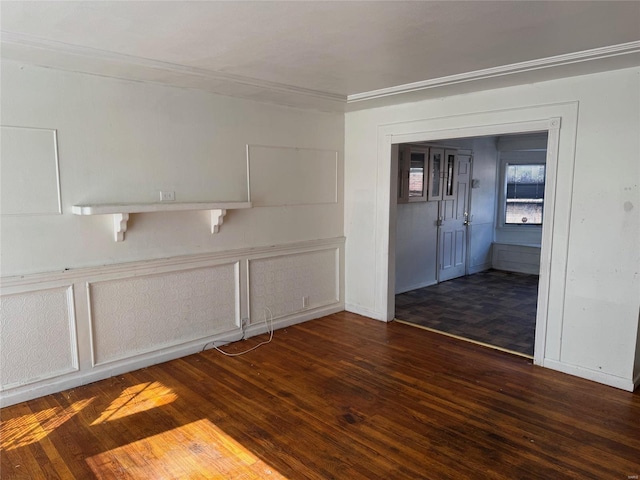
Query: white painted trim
x=21, y=283
x=535, y=118
x=95, y=363
x=479, y=268
x=153, y=358
x=287, y=147
x=28, y=41
x=416, y=286
x=57, y=166
x=365, y=312
x=593, y=375
x=514, y=68
x=73, y=340
x=86, y=276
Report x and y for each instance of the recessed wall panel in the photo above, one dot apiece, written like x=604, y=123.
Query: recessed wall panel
x=37, y=336
x=28, y=171
x=292, y=176
x=281, y=284
x=138, y=315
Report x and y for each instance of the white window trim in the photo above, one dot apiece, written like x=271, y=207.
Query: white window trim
x=534, y=157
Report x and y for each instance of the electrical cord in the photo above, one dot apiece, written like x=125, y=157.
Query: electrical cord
x=269, y=325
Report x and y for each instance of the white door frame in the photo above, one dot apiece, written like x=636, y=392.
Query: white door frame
x=388, y=140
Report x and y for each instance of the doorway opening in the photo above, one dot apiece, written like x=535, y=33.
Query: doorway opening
x=469, y=228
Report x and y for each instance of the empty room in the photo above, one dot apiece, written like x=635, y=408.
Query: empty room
x=213, y=213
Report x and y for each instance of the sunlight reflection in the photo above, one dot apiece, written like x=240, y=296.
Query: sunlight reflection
x=196, y=448
x=138, y=398
x=33, y=427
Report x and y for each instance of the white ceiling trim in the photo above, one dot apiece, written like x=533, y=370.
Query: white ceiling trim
x=514, y=68
x=29, y=41
x=262, y=90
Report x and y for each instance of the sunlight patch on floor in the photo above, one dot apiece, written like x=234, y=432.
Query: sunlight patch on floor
x=138, y=398
x=31, y=428
x=195, y=450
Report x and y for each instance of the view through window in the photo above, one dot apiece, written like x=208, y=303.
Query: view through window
x=525, y=194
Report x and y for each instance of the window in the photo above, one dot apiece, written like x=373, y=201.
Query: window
x=524, y=194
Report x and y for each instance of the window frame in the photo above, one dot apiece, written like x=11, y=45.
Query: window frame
x=537, y=157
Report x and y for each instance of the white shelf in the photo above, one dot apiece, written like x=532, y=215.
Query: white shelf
x=121, y=211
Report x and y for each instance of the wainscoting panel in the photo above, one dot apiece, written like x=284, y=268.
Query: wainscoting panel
x=131, y=316
x=516, y=258
x=292, y=176
x=63, y=329
x=29, y=182
x=37, y=336
x=288, y=284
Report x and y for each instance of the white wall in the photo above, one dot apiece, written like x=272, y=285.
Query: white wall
x=416, y=245
x=171, y=286
x=593, y=302
x=483, y=204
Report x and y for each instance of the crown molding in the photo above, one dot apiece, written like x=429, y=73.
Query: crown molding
x=56, y=54
x=514, y=68
x=31, y=42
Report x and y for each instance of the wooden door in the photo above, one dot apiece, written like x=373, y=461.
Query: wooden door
x=453, y=222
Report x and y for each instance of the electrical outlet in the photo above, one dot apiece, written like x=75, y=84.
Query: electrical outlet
x=167, y=196
x=305, y=302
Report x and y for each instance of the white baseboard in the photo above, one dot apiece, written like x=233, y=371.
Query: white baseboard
x=365, y=312
x=77, y=379
x=479, y=268
x=600, y=377
x=96, y=327
x=416, y=286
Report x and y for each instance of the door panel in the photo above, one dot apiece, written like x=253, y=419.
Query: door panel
x=452, y=232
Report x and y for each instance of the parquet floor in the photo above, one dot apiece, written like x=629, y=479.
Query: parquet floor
x=493, y=307
x=341, y=397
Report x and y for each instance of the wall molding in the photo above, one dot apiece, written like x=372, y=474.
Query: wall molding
x=595, y=376
x=150, y=277
x=511, y=69
x=74, y=364
x=60, y=55
x=87, y=370
x=160, y=265
x=29, y=46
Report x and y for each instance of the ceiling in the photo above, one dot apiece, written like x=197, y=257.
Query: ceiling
x=328, y=52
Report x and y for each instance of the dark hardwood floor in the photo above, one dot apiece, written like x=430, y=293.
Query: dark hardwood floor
x=342, y=397
x=493, y=307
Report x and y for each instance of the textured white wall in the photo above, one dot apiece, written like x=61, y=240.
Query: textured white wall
x=171, y=286
x=37, y=336
x=594, y=301
x=121, y=141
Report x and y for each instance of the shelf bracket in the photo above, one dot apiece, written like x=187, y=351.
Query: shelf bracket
x=217, y=217
x=120, y=225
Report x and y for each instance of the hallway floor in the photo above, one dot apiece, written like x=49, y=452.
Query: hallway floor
x=493, y=307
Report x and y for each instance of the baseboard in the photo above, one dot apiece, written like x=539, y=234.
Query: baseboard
x=77, y=379
x=365, y=312
x=417, y=286
x=600, y=377
x=479, y=268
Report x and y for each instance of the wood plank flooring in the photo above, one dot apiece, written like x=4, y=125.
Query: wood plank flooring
x=342, y=397
x=493, y=307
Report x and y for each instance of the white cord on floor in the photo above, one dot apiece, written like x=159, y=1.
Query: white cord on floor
x=269, y=329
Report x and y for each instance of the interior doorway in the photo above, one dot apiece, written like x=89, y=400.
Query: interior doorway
x=446, y=278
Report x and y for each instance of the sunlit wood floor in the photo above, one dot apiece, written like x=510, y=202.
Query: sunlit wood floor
x=342, y=397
